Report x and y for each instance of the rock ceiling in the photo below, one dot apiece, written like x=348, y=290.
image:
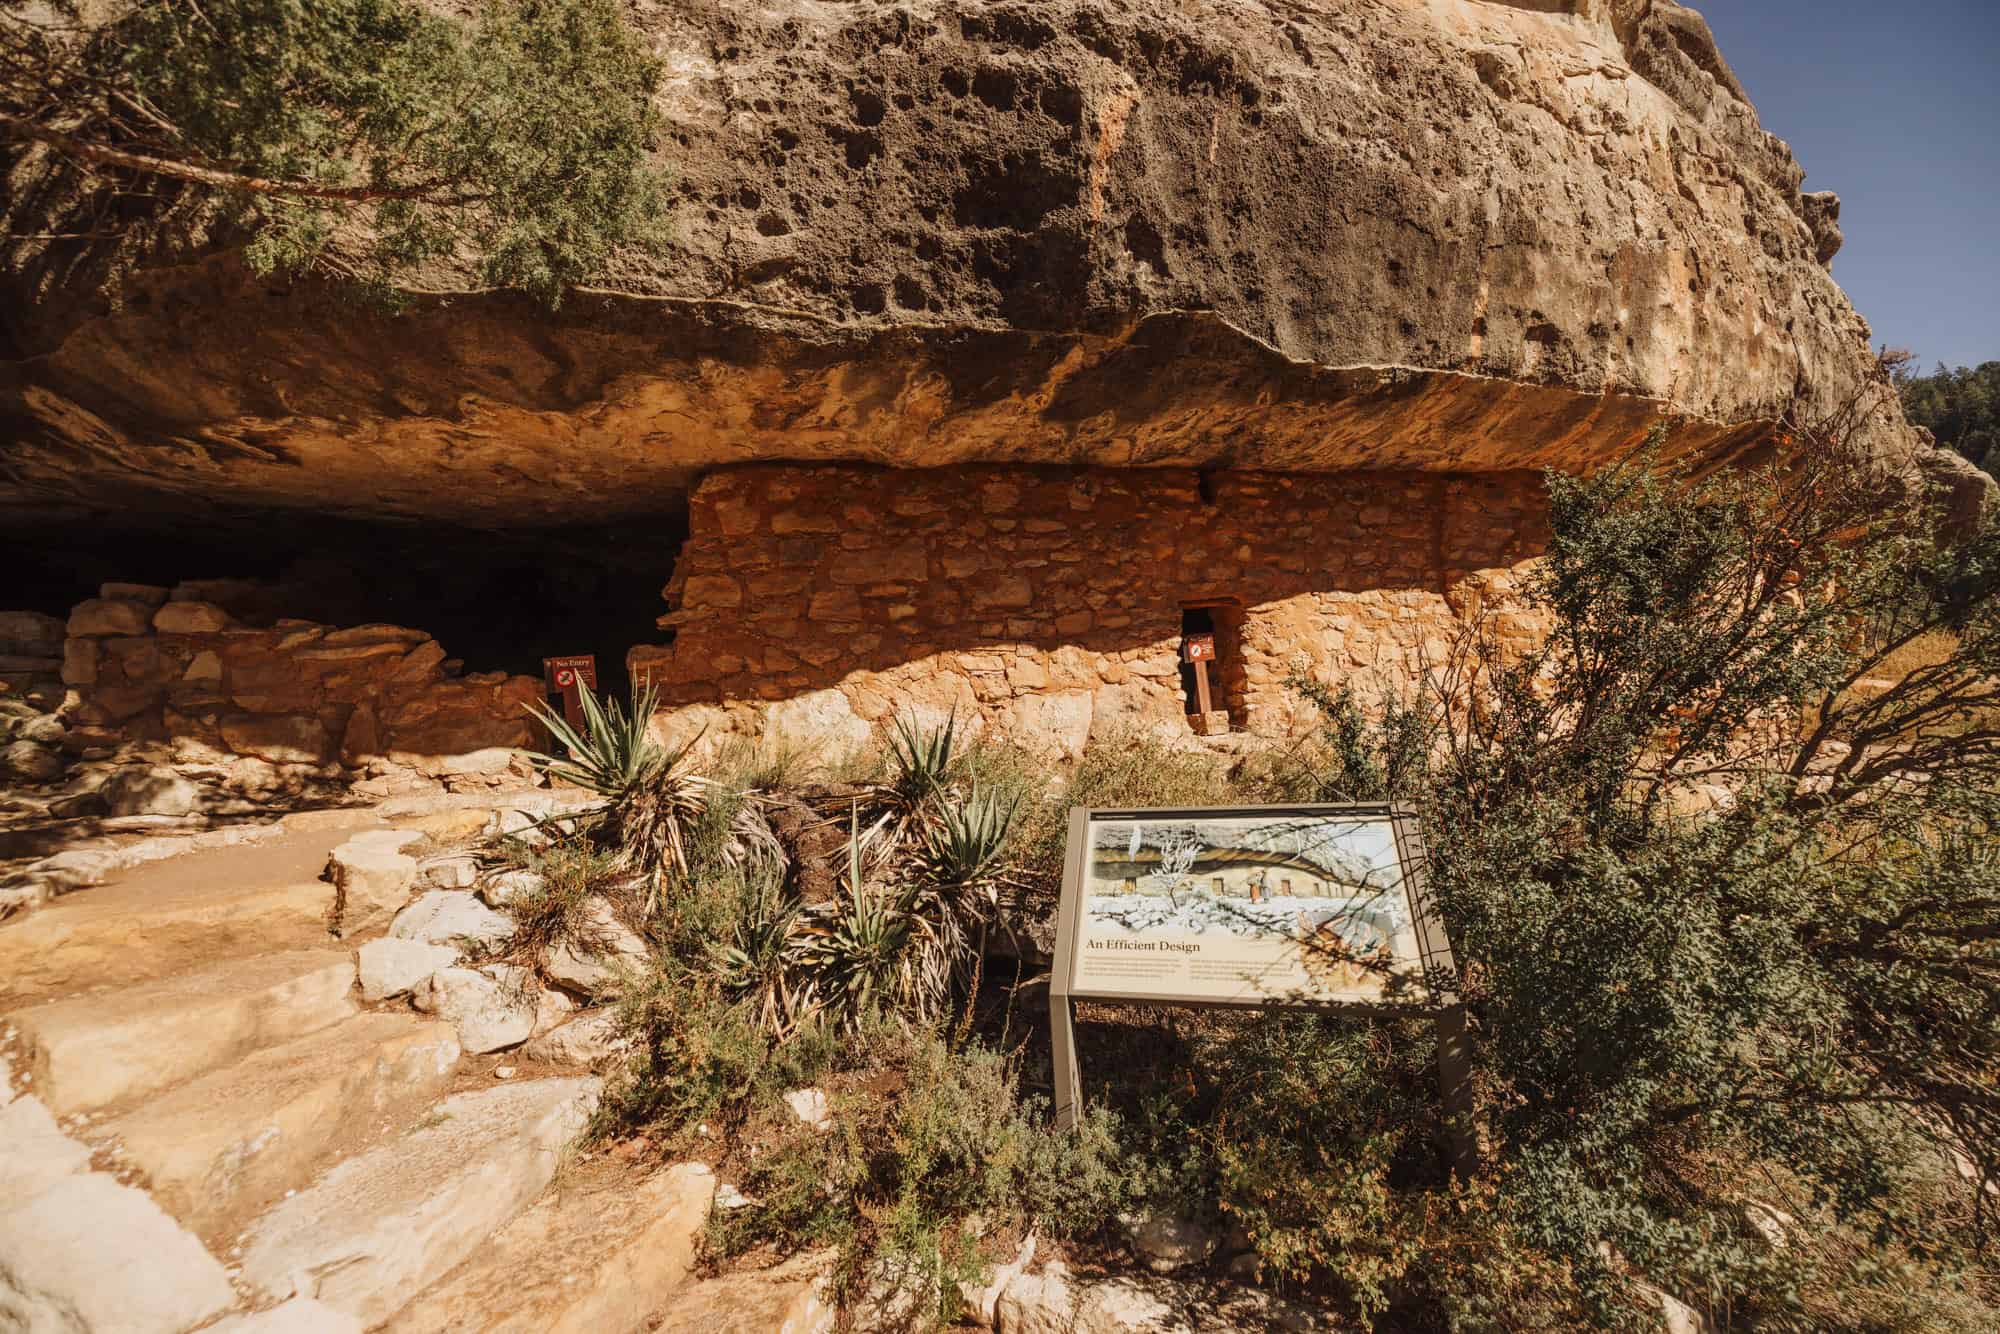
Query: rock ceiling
x=1439, y=234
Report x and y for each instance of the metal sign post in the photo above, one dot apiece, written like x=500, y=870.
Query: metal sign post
x=570, y=677
x=1178, y=907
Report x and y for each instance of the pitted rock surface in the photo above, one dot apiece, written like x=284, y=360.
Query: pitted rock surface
x=1457, y=235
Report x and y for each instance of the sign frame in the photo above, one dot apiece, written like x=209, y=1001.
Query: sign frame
x=1433, y=946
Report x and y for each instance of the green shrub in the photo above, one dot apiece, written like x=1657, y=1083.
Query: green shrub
x=896, y=1180
x=573, y=871
x=1713, y=908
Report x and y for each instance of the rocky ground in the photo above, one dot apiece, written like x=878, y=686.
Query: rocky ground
x=257, y=1079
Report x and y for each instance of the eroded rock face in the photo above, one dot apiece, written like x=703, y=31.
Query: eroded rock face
x=1446, y=235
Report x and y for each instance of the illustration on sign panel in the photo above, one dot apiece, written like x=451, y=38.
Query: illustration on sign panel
x=1277, y=907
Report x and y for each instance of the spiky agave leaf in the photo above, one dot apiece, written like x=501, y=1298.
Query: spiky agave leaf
x=856, y=952
x=614, y=753
x=761, y=965
x=652, y=795
x=963, y=842
x=924, y=757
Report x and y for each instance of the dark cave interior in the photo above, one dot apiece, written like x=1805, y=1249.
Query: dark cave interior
x=498, y=600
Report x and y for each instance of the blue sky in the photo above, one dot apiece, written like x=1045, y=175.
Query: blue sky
x=1895, y=108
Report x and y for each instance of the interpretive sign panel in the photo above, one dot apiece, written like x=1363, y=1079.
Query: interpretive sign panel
x=1304, y=907
x=1311, y=906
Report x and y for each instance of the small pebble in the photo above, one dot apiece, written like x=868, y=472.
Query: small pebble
x=503, y=1072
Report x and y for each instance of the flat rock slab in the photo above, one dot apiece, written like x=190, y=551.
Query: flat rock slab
x=97, y=1050
x=595, y=1259
x=785, y=1299
x=231, y=1143
x=384, y=1225
x=89, y=1256
x=449, y=826
x=300, y=1315
x=34, y=1152
x=184, y=912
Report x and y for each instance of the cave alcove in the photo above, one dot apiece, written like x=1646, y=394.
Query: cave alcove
x=497, y=600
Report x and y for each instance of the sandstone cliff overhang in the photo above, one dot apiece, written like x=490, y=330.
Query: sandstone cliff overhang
x=1444, y=235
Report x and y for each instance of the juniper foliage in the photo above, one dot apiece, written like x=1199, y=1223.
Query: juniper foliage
x=1722, y=864
x=373, y=138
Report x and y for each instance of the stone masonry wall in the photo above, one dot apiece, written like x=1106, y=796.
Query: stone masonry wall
x=821, y=600
x=149, y=663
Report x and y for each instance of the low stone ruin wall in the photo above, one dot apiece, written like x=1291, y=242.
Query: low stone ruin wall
x=1050, y=601
x=31, y=648
x=149, y=663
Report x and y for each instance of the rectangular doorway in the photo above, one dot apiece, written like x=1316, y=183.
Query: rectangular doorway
x=1211, y=646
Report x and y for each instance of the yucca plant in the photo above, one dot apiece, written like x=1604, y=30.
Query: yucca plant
x=761, y=966
x=652, y=794
x=860, y=958
x=857, y=952
x=614, y=752
x=962, y=843
x=961, y=873
x=924, y=757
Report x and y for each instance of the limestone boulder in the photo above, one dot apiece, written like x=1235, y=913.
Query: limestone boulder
x=101, y=618
x=371, y=875
x=89, y=1255
x=591, y=1040
x=1166, y=1244
x=601, y=951
x=453, y=871
x=151, y=790
x=809, y=1107
x=31, y=762
x=390, y=967
x=191, y=618
x=451, y=917
x=44, y=729
x=979, y=1300
x=552, y=1010
x=509, y=887
x=491, y=1008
